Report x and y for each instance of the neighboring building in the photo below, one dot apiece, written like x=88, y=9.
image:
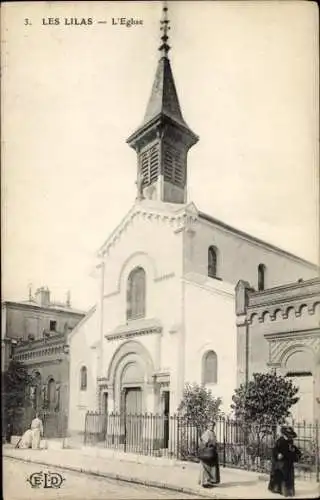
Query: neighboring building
x=279, y=328
x=166, y=310
x=35, y=332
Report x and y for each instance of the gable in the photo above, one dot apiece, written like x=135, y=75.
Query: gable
x=173, y=215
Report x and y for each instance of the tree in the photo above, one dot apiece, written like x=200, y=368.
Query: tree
x=15, y=384
x=262, y=404
x=198, y=406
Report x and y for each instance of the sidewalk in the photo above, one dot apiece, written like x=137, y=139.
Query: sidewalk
x=178, y=476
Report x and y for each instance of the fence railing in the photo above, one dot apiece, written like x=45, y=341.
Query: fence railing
x=172, y=437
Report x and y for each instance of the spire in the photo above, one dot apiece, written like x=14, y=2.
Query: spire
x=163, y=139
x=164, y=98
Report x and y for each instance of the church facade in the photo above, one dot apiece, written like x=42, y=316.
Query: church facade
x=165, y=310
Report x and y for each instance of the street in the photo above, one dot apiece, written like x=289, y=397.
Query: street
x=75, y=486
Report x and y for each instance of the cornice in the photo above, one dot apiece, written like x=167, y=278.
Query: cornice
x=294, y=334
x=41, y=310
x=44, y=362
x=162, y=377
x=45, y=343
x=271, y=309
x=287, y=293
x=135, y=329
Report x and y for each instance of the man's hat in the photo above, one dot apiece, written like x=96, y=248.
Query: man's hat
x=288, y=432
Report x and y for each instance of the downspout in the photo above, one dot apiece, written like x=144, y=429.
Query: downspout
x=247, y=352
x=101, y=318
x=187, y=235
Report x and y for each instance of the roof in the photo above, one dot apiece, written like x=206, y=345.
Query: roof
x=34, y=305
x=248, y=236
x=163, y=105
x=164, y=97
x=177, y=210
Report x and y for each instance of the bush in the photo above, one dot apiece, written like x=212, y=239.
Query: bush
x=198, y=407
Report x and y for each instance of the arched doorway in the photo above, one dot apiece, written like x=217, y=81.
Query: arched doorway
x=299, y=368
x=131, y=371
x=132, y=391
x=132, y=381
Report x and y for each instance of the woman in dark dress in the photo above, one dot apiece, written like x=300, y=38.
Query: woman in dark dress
x=284, y=454
x=209, y=467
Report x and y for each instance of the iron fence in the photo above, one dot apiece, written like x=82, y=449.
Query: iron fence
x=171, y=436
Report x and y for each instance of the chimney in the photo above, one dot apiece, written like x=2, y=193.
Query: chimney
x=43, y=296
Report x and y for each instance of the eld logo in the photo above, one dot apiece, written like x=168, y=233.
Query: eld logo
x=45, y=480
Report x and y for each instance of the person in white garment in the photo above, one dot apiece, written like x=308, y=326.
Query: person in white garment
x=26, y=440
x=37, y=432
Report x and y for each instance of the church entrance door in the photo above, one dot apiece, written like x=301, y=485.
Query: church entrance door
x=133, y=400
x=133, y=417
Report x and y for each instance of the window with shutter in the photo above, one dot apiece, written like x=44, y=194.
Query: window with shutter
x=136, y=294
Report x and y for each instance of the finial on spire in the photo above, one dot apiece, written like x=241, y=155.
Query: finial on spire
x=164, y=47
x=30, y=291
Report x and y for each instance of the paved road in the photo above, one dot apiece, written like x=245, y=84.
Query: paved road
x=76, y=486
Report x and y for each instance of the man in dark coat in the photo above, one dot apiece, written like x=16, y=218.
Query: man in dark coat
x=284, y=454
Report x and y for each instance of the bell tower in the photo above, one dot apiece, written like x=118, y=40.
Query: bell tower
x=163, y=139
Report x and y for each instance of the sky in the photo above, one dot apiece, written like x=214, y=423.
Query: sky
x=247, y=80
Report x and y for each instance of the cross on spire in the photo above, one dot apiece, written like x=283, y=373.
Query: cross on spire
x=164, y=47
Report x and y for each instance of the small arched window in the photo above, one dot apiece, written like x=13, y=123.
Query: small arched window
x=210, y=368
x=136, y=294
x=51, y=393
x=83, y=378
x=261, y=277
x=212, y=262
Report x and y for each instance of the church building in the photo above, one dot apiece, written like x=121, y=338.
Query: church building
x=165, y=314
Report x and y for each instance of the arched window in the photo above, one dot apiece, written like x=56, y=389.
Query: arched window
x=261, y=277
x=212, y=262
x=51, y=394
x=136, y=294
x=83, y=378
x=210, y=368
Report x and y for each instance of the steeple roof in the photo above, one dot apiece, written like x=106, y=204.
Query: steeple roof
x=163, y=102
x=164, y=99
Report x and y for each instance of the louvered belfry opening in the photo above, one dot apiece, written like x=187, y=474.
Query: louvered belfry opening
x=150, y=164
x=174, y=165
x=165, y=160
